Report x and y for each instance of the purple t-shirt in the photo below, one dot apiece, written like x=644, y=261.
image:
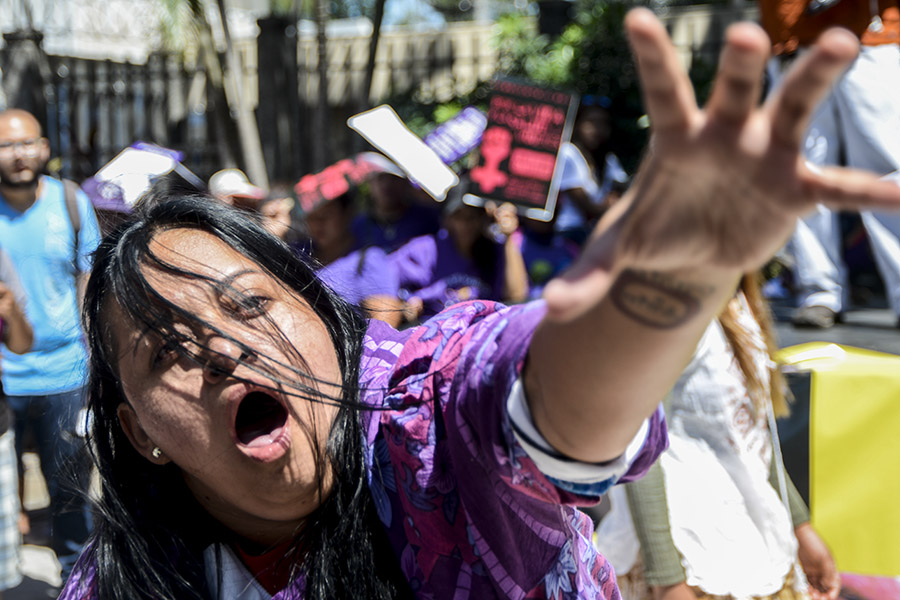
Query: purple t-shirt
x=416, y=221
x=545, y=257
x=360, y=275
x=430, y=268
x=466, y=510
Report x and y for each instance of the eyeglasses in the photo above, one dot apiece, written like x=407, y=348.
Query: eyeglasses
x=25, y=147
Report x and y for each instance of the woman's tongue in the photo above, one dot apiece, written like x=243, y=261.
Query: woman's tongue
x=260, y=419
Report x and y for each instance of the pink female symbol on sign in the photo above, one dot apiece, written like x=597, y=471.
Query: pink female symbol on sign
x=495, y=146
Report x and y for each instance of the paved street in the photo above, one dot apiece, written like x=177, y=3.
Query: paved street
x=39, y=564
x=874, y=329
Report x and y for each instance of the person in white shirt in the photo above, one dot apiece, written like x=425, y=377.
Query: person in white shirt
x=591, y=172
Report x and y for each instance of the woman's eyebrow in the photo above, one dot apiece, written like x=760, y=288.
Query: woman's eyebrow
x=229, y=280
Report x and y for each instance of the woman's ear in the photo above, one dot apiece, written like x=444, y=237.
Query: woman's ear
x=135, y=433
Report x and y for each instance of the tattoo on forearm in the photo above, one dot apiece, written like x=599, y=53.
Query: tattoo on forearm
x=657, y=300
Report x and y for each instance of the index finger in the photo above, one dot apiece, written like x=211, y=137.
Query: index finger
x=668, y=93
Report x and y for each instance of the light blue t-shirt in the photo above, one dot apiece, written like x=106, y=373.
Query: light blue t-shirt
x=41, y=244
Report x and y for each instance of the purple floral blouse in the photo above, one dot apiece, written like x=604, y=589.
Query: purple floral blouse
x=466, y=510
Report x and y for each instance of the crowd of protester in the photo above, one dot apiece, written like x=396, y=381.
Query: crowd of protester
x=402, y=256
x=388, y=247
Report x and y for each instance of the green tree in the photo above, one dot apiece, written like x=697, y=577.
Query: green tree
x=589, y=58
x=601, y=65
x=592, y=58
x=187, y=19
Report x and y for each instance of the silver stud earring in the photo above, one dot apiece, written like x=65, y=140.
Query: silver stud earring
x=156, y=452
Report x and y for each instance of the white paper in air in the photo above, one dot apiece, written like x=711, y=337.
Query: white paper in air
x=383, y=129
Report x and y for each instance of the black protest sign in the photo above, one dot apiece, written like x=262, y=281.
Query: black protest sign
x=517, y=156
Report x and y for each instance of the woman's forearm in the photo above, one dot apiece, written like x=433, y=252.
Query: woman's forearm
x=592, y=381
x=718, y=194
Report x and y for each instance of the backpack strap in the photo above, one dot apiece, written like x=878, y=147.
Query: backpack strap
x=70, y=192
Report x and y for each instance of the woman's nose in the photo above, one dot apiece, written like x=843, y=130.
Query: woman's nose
x=222, y=358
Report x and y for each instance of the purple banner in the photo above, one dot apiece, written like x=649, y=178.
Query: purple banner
x=457, y=137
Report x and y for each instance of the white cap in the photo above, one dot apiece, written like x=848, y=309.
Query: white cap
x=233, y=182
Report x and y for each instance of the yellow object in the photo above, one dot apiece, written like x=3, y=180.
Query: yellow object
x=854, y=438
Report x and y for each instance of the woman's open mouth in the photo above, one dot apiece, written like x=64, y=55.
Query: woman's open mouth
x=260, y=424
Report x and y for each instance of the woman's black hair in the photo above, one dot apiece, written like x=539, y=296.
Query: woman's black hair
x=150, y=532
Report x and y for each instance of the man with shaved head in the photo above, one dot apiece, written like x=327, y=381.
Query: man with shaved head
x=45, y=387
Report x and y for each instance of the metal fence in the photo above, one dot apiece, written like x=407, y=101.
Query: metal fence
x=91, y=109
x=97, y=108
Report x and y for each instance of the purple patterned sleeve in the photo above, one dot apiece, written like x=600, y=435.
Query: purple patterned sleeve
x=657, y=441
x=454, y=488
x=491, y=361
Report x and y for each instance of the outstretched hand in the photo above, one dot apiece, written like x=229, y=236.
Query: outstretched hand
x=721, y=187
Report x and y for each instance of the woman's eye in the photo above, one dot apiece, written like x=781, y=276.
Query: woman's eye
x=248, y=306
